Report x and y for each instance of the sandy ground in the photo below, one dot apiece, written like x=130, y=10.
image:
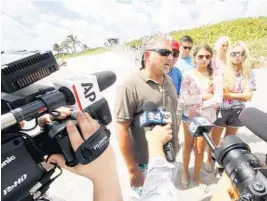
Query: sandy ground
x=70, y=187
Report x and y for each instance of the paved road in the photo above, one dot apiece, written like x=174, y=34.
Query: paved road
x=74, y=188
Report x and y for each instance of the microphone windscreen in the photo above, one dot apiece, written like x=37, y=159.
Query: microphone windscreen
x=149, y=106
x=256, y=121
x=105, y=79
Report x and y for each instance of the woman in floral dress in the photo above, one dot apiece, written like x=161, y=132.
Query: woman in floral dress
x=201, y=97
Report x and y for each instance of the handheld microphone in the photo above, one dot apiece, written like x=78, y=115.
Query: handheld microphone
x=152, y=117
x=86, y=89
x=199, y=127
x=256, y=121
x=45, y=103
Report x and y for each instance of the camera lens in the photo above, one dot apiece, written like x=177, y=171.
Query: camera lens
x=239, y=163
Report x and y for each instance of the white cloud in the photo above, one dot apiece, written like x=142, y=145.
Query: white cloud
x=22, y=9
x=24, y=26
x=257, y=8
x=50, y=18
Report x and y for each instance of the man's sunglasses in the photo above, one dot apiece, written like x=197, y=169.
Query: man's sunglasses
x=162, y=52
x=185, y=47
x=202, y=57
x=234, y=54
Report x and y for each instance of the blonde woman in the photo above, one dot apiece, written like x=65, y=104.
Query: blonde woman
x=239, y=83
x=221, y=48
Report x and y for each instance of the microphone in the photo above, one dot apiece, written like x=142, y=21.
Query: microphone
x=81, y=92
x=105, y=79
x=256, y=121
x=45, y=103
x=199, y=127
x=86, y=89
x=152, y=117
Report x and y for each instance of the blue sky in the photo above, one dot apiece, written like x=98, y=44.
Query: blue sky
x=38, y=24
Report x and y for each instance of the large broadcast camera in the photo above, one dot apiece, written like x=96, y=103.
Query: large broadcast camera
x=23, y=176
x=244, y=169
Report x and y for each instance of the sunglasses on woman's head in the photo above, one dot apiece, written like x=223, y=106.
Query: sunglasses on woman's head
x=202, y=57
x=234, y=54
x=161, y=52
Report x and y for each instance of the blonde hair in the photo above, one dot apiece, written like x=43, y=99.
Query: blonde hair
x=230, y=73
x=219, y=43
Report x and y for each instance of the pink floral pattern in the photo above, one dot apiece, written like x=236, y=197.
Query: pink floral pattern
x=237, y=88
x=192, y=90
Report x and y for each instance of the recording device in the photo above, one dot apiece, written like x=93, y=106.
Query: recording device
x=23, y=177
x=151, y=117
x=243, y=168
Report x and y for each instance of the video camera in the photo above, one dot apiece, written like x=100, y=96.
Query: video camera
x=244, y=169
x=23, y=176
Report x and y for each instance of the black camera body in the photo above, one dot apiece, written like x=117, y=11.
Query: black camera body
x=244, y=169
x=19, y=169
x=23, y=176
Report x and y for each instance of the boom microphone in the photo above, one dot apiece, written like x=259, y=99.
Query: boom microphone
x=256, y=121
x=152, y=117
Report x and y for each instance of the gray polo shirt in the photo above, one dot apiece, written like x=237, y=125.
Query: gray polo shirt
x=131, y=95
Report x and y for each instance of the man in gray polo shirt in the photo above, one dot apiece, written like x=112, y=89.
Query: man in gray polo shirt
x=150, y=83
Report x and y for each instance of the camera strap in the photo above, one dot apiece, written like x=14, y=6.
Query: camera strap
x=94, y=146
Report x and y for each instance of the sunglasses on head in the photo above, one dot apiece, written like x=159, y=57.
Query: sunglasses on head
x=161, y=52
x=202, y=57
x=234, y=54
x=185, y=47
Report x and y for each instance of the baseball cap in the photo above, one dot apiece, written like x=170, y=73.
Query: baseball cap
x=175, y=45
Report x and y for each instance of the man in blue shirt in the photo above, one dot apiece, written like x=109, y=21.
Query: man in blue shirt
x=176, y=77
x=185, y=62
x=175, y=73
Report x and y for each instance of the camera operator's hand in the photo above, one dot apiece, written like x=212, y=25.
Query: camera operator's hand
x=102, y=171
x=225, y=191
x=47, y=118
x=156, y=138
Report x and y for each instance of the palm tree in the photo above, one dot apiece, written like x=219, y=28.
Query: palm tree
x=65, y=45
x=74, y=41
x=57, y=48
x=85, y=47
